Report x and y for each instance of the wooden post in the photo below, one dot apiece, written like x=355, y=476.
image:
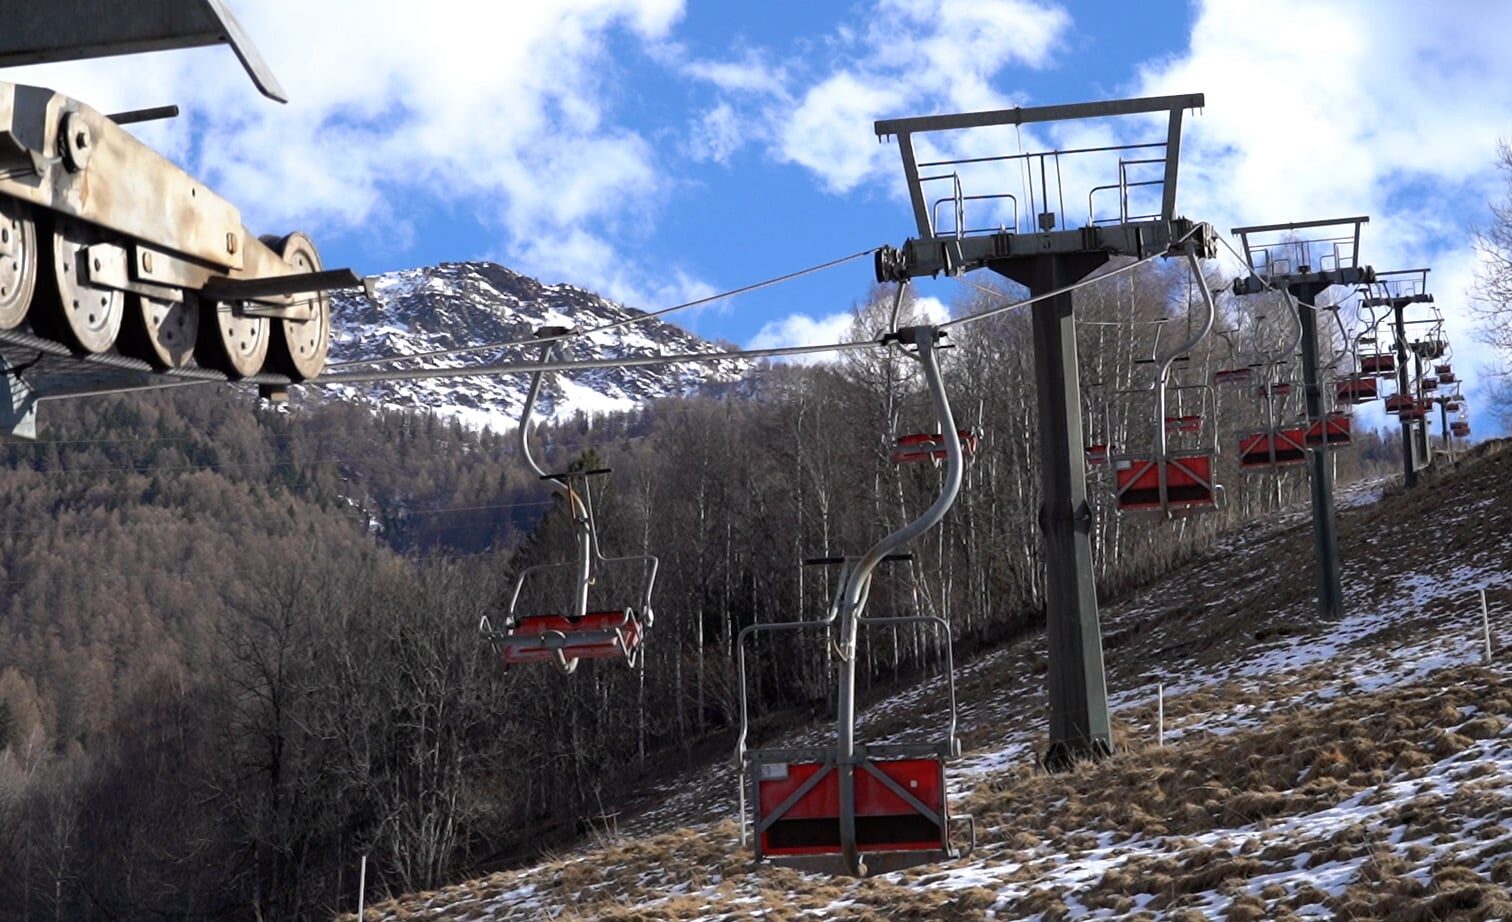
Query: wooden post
x=1160, y=714
x=1486, y=626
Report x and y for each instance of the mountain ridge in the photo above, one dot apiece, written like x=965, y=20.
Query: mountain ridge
x=457, y=305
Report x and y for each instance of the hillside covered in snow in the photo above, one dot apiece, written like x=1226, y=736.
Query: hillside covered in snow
x=1357, y=769
x=460, y=305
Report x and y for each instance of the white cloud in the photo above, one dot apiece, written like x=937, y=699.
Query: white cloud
x=716, y=135
x=504, y=111
x=804, y=330
x=1390, y=117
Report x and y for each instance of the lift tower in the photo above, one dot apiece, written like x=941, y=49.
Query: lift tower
x=1043, y=251
x=1405, y=287
x=1305, y=268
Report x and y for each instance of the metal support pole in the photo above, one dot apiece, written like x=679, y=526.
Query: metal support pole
x=1404, y=389
x=1325, y=532
x=1079, y=726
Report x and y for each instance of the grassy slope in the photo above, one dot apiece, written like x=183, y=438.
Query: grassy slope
x=1358, y=769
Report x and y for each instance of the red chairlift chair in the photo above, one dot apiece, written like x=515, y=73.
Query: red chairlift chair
x=1097, y=455
x=930, y=446
x=1279, y=389
x=1234, y=376
x=1333, y=429
x=1379, y=364
x=1397, y=403
x=1267, y=450
x=1430, y=384
x=1188, y=423
x=853, y=807
x=1460, y=428
x=580, y=634
x=1357, y=389
x=1189, y=485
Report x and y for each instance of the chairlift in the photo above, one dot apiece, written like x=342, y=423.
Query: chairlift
x=1335, y=429
x=1433, y=347
x=1445, y=374
x=1283, y=447
x=1234, y=376
x=572, y=633
x=1174, y=481
x=1357, y=389
x=1380, y=364
x=930, y=446
x=1429, y=384
x=1097, y=455
x=1460, y=428
x=856, y=807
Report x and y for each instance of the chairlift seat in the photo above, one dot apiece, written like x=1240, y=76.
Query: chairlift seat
x=1452, y=406
x=1333, y=429
x=1459, y=428
x=1188, y=484
x=1442, y=370
x=930, y=446
x=1396, y=403
x=1097, y=455
x=1431, y=348
x=1265, y=450
x=1233, y=376
x=1357, y=389
x=1430, y=384
x=798, y=807
x=1381, y=364
x=1189, y=423
x=595, y=635
x=1447, y=376
x=1279, y=389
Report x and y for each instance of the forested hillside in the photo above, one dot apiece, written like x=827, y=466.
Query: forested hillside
x=238, y=645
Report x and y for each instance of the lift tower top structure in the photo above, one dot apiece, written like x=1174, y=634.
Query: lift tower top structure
x=1305, y=266
x=1037, y=246
x=1404, y=288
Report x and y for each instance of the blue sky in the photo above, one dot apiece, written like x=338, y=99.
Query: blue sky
x=657, y=150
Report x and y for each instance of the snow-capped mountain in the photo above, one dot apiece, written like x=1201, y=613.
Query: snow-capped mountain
x=457, y=305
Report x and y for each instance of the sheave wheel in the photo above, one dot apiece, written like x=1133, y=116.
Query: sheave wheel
x=80, y=314
x=18, y=264
x=299, y=347
x=229, y=342
x=161, y=332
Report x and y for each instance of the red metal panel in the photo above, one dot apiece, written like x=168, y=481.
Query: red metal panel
x=812, y=825
x=533, y=626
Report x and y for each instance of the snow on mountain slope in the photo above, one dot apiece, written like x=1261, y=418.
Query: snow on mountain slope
x=456, y=305
x=1358, y=769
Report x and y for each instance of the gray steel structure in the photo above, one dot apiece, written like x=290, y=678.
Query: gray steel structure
x=111, y=256
x=1304, y=277
x=847, y=613
x=1047, y=256
x=1415, y=453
